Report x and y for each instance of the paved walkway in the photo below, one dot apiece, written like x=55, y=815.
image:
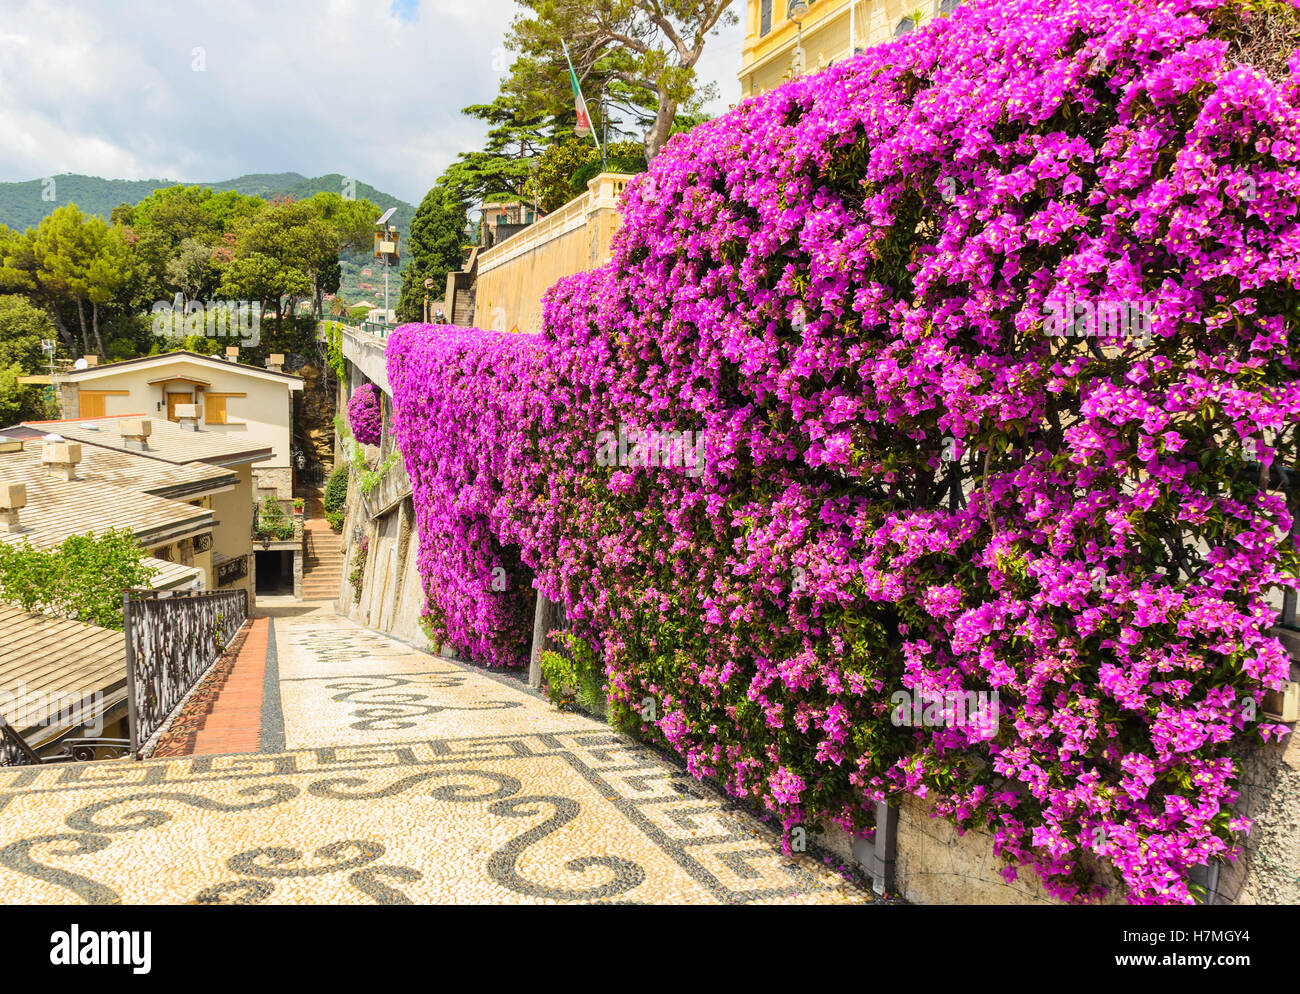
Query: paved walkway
x=235, y=721
x=401, y=778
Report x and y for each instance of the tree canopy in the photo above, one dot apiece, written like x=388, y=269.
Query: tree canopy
x=643, y=53
x=435, y=245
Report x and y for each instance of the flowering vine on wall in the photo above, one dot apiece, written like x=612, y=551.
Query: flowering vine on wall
x=364, y=415
x=990, y=338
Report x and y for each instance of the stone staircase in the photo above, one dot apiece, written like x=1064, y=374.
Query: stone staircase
x=322, y=565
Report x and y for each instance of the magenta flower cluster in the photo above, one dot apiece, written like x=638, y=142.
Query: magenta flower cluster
x=462, y=421
x=364, y=416
x=912, y=481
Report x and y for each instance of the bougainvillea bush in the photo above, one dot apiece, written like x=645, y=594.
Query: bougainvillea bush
x=364, y=416
x=462, y=416
x=991, y=334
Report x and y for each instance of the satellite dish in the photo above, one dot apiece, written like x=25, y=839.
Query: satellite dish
x=52, y=437
x=386, y=215
x=81, y=364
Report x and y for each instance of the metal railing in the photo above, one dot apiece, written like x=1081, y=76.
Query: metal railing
x=16, y=751
x=379, y=329
x=170, y=643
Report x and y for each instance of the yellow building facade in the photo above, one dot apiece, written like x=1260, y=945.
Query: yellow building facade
x=832, y=31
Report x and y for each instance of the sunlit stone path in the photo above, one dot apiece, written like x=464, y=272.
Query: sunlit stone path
x=405, y=778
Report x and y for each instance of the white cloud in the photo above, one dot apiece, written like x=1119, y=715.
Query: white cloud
x=366, y=88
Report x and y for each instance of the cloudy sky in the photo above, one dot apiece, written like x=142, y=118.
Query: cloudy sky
x=211, y=89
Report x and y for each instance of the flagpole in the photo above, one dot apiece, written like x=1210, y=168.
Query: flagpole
x=578, y=86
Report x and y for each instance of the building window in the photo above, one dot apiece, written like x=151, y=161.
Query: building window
x=948, y=6
x=91, y=403
x=215, y=407
x=764, y=16
x=904, y=26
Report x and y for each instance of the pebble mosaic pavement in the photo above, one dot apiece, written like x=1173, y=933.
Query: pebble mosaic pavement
x=399, y=778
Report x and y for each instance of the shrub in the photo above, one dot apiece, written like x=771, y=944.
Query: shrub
x=272, y=523
x=334, y=350
x=371, y=478
x=364, y=415
x=83, y=578
x=620, y=157
x=358, y=574
x=574, y=677
x=859, y=290
x=335, y=497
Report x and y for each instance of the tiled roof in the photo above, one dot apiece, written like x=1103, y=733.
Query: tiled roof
x=58, y=508
x=55, y=665
x=171, y=575
x=168, y=441
x=92, y=372
x=137, y=471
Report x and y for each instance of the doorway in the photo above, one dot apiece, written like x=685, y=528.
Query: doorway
x=274, y=571
x=177, y=398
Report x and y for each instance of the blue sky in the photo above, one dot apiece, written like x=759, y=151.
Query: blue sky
x=212, y=89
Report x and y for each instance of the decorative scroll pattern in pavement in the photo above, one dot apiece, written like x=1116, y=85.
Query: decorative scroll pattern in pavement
x=407, y=779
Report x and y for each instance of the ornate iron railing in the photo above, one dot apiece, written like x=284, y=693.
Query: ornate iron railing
x=232, y=570
x=14, y=750
x=170, y=643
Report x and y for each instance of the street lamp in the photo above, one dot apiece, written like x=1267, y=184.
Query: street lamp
x=386, y=237
x=797, y=11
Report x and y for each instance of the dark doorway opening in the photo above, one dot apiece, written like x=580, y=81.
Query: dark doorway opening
x=274, y=571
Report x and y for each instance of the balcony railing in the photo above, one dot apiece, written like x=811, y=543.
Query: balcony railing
x=170, y=643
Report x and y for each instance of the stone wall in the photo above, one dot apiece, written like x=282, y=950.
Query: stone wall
x=1268, y=871
x=391, y=599
x=935, y=864
x=279, y=480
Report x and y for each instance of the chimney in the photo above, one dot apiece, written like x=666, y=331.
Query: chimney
x=232, y=353
x=136, y=431
x=188, y=415
x=92, y=360
x=60, y=457
x=13, y=497
x=10, y=444
x=275, y=362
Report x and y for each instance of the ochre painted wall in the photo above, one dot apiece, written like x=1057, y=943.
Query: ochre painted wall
x=513, y=275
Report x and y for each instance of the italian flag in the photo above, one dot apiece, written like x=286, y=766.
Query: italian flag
x=583, y=128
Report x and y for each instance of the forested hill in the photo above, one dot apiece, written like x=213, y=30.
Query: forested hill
x=22, y=204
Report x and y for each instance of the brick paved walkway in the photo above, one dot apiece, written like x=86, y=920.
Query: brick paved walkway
x=397, y=777
x=235, y=721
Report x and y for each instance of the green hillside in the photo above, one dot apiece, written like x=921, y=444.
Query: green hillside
x=22, y=206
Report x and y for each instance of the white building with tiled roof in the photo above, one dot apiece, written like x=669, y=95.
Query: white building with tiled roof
x=251, y=406
x=187, y=495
